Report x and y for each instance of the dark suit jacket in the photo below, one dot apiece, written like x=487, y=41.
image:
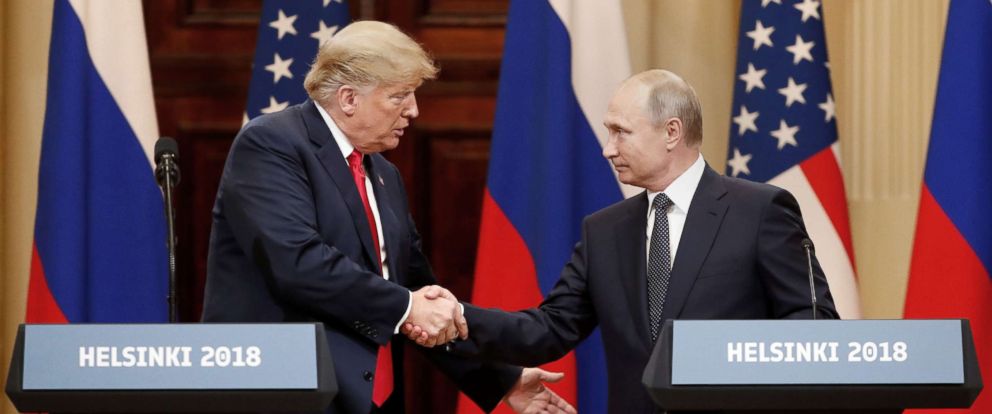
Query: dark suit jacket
x=291, y=242
x=740, y=257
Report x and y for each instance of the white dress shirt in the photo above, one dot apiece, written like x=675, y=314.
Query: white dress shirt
x=346, y=150
x=680, y=192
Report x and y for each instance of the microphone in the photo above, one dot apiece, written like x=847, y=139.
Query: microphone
x=166, y=153
x=167, y=175
x=808, y=246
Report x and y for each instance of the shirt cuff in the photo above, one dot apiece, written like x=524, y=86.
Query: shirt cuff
x=409, y=306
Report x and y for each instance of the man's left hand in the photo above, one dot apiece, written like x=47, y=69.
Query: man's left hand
x=529, y=395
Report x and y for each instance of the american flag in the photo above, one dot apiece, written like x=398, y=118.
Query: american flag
x=289, y=33
x=784, y=131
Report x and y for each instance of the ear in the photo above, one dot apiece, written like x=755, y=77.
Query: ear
x=347, y=99
x=674, y=133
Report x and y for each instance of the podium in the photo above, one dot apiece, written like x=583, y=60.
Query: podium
x=203, y=368
x=813, y=366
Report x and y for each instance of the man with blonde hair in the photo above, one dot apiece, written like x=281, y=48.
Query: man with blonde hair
x=693, y=245
x=311, y=223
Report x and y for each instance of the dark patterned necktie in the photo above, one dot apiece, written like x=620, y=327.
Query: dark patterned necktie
x=659, y=263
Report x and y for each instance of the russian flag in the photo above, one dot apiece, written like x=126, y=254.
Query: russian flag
x=99, y=239
x=562, y=61
x=952, y=254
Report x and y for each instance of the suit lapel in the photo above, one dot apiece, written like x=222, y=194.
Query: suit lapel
x=387, y=215
x=701, y=225
x=329, y=155
x=631, y=245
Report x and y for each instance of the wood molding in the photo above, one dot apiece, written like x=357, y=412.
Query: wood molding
x=219, y=13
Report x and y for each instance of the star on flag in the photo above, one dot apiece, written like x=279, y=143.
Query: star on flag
x=280, y=68
x=762, y=35
x=284, y=24
x=290, y=34
x=753, y=77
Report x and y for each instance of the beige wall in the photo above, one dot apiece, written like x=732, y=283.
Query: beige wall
x=4, y=353
x=24, y=37
x=884, y=57
x=698, y=41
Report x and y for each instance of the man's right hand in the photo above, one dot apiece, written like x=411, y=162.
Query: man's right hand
x=437, y=315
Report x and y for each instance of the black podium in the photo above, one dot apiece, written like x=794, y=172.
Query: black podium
x=785, y=396
x=114, y=356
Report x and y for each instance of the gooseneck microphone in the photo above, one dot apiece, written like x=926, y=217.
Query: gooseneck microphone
x=167, y=175
x=808, y=246
x=166, y=153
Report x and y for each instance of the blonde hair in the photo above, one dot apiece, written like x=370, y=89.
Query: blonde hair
x=367, y=54
x=669, y=96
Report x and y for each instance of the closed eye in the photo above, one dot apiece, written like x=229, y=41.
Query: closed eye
x=401, y=95
x=613, y=129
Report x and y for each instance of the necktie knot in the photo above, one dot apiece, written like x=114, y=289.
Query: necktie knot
x=662, y=203
x=355, y=162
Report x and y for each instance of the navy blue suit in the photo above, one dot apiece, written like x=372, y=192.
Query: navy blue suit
x=291, y=242
x=740, y=257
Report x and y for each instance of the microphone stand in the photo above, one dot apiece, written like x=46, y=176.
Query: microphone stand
x=166, y=172
x=807, y=245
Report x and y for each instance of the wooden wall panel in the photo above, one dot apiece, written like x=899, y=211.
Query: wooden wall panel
x=457, y=168
x=201, y=52
x=451, y=147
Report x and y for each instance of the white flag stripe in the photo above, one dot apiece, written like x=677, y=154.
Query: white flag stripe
x=829, y=247
x=115, y=37
x=835, y=149
x=600, y=61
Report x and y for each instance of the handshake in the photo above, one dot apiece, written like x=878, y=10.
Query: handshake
x=435, y=318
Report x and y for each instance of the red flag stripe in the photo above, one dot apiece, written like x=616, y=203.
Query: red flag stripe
x=947, y=280
x=505, y=277
x=41, y=307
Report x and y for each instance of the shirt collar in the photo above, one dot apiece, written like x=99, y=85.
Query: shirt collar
x=343, y=144
x=683, y=188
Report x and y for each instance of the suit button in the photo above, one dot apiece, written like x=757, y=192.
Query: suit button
x=368, y=376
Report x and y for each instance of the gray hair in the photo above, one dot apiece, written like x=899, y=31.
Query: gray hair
x=669, y=96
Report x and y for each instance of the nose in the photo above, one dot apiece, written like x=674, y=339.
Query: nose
x=610, y=149
x=411, y=110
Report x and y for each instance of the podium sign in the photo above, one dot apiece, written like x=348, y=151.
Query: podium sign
x=817, y=352
x=171, y=368
x=814, y=366
x=169, y=357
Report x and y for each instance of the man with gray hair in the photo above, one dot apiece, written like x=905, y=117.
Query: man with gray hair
x=694, y=245
x=311, y=223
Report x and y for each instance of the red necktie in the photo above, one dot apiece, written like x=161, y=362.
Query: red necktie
x=382, y=386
